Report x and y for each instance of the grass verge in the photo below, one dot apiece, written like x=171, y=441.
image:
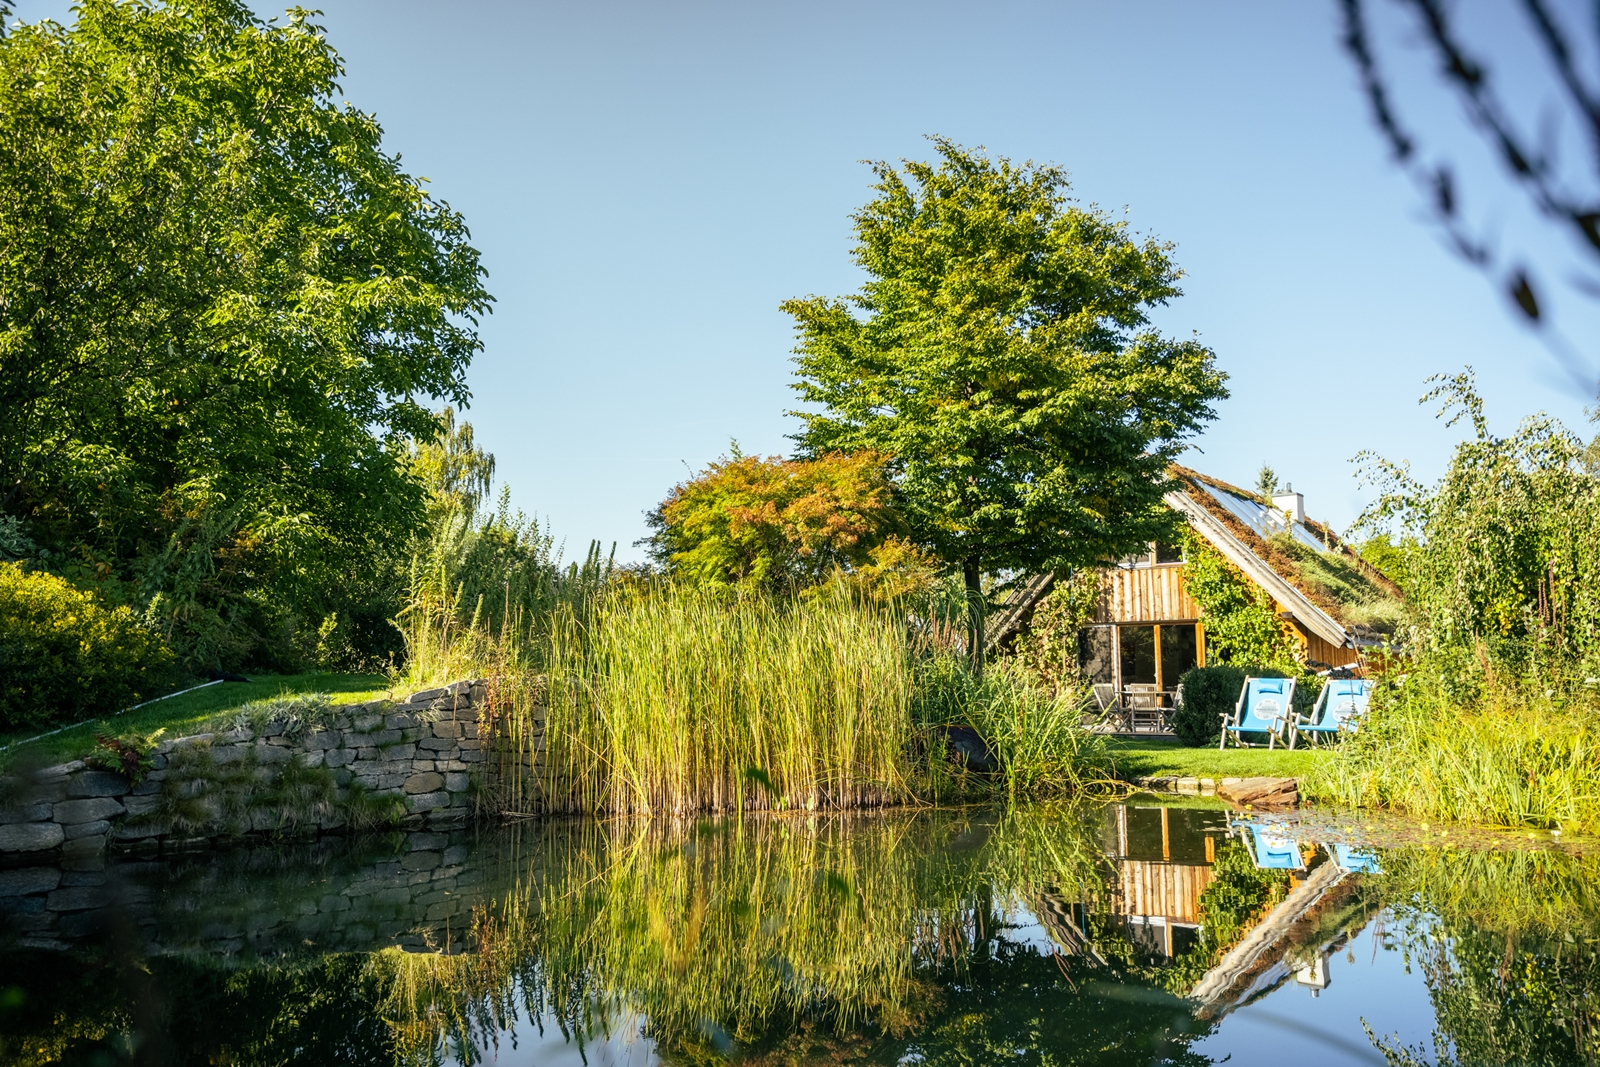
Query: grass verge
x=1155, y=759
x=187, y=714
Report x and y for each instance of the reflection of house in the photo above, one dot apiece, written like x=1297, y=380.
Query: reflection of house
x=1148, y=630
x=1164, y=857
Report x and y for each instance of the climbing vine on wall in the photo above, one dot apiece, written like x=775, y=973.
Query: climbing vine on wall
x=1049, y=647
x=1242, y=628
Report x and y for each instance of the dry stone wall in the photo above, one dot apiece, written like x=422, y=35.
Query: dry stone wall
x=415, y=764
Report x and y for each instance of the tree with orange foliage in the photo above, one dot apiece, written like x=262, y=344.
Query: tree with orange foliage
x=785, y=525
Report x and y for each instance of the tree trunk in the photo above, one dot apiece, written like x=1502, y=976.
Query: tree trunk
x=969, y=571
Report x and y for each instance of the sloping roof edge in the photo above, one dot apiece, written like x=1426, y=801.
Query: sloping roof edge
x=1329, y=536
x=1235, y=551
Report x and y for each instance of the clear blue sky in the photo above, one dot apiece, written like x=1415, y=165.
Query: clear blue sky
x=647, y=181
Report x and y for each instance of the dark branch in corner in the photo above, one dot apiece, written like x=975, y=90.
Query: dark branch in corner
x=1532, y=168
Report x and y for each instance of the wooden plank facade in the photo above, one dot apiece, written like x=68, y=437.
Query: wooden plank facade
x=1145, y=594
x=1155, y=594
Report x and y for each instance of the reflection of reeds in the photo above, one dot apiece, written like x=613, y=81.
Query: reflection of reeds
x=1506, y=944
x=722, y=927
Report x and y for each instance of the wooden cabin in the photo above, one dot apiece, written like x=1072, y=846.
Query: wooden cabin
x=1147, y=630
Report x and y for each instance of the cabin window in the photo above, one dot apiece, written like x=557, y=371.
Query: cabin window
x=1168, y=553
x=1138, y=654
x=1179, y=652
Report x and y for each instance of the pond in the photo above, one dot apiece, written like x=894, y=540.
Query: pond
x=1123, y=933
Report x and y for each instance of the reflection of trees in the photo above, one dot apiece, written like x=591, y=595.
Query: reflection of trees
x=1506, y=944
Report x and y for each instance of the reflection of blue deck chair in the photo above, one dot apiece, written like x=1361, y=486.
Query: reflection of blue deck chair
x=1273, y=851
x=1340, y=705
x=1263, y=708
x=1356, y=860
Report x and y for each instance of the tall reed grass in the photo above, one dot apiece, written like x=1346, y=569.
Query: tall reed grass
x=1505, y=756
x=671, y=699
x=626, y=694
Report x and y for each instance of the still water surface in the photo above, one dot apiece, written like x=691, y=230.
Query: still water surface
x=1129, y=933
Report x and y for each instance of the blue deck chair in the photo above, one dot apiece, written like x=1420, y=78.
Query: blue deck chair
x=1273, y=850
x=1356, y=860
x=1340, y=705
x=1265, y=707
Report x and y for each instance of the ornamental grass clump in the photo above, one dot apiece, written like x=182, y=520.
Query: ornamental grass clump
x=1507, y=757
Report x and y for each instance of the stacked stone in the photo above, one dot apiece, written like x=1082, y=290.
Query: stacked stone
x=425, y=751
x=67, y=807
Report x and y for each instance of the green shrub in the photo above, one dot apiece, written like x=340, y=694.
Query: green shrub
x=1208, y=692
x=64, y=654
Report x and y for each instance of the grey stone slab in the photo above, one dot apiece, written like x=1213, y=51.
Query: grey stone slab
x=322, y=740
x=141, y=805
x=311, y=759
x=400, y=720
x=449, y=765
x=422, y=802
x=472, y=756
x=84, y=829
x=426, y=782
x=339, y=757
x=30, y=836
x=455, y=855
x=373, y=738
x=90, y=809
x=445, y=729
x=422, y=765
x=421, y=861
x=269, y=753
x=437, y=744
x=426, y=695
x=140, y=832
x=230, y=753
x=456, y=781
x=96, y=784
x=37, y=812
x=60, y=770
x=24, y=880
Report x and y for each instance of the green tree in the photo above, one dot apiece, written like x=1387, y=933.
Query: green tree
x=1000, y=355
x=222, y=305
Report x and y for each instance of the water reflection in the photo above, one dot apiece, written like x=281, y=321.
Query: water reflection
x=1128, y=933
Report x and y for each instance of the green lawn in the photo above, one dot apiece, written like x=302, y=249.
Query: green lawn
x=1156, y=759
x=188, y=714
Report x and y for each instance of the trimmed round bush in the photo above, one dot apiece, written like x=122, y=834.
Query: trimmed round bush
x=65, y=655
x=1208, y=692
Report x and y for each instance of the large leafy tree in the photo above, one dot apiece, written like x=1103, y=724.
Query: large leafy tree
x=1000, y=354
x=222, y=305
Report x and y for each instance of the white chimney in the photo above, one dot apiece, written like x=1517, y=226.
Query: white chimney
x=1292, y=504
